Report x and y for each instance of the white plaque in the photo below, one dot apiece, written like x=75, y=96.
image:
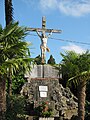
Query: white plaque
x=43, y=88
x=43, y=94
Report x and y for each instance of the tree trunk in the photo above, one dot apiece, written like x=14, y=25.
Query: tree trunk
x=9, y=18
x=81, y=100
x=2, y=99
x=8, y=11
x=10, y=82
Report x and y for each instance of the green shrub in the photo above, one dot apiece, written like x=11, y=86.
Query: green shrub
x=15, y=107
x=87, y=111
x=43, y=110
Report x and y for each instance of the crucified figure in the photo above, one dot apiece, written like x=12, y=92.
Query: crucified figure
x=43, y=45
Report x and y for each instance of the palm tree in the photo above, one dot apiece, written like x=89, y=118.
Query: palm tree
x=9, y=18
x=77, y=69
x=8, y=11
x=80, y=81
x=14, y=53
x=68, y=66
x=18, y=53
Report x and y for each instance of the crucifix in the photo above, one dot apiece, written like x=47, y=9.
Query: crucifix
x=41, y=32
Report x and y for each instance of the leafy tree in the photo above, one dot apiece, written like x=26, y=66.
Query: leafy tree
x=14, y=53
x=77, y=69
x=38, y=60
x=51, y=60
x=18, y=81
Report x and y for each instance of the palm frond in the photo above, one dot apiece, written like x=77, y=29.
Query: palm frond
x=78, y=78
x=14, y=52
x=13, y=33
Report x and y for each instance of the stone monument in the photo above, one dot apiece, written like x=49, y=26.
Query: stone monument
x=43, y=83
x=61, y=100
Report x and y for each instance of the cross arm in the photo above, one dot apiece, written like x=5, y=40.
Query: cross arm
x=46, y=30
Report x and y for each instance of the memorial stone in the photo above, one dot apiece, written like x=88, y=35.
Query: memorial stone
x=60, y=99
x=50, y=71
x=43, y=71
x=39, y=71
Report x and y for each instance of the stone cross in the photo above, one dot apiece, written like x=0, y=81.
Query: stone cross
x=42, y=34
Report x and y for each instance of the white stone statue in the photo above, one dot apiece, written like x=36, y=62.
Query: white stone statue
x=43, y=45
